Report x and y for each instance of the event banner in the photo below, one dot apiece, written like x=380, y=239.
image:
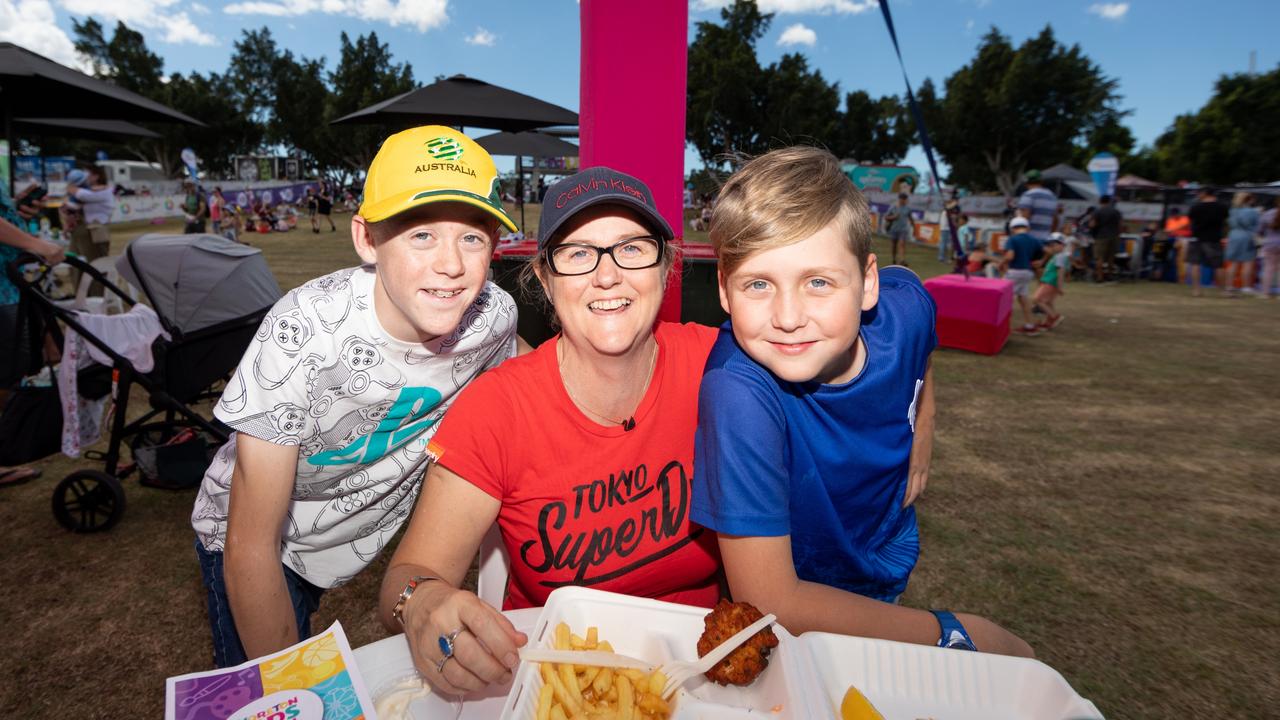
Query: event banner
x=154, y=207
x=317, y=679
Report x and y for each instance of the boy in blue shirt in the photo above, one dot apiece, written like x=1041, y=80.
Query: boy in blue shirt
x=815, y=418
x=1022, y=251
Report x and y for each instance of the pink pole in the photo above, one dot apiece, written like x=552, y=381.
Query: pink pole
x=631, y=117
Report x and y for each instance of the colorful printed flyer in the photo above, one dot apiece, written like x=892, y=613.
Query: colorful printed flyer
x=317, y=679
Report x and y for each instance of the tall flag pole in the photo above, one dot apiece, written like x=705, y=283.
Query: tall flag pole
x=952, y=210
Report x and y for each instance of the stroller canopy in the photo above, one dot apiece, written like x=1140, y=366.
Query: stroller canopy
x=196, y=282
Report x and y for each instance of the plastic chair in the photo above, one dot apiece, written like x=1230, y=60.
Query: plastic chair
x=109, y=303
x=491, y=584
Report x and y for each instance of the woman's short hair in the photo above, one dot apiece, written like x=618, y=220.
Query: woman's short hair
x=783, y=197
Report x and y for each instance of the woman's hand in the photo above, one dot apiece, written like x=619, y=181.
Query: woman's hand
x=485, y=643
x=51, y=253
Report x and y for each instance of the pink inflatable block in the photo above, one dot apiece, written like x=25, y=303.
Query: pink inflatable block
x=631, y=115
x=973, y=313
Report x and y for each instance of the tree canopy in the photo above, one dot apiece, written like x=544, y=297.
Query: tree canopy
x=736, y=106
x=1012, y=109
x=1233, y=138
x=267, y=100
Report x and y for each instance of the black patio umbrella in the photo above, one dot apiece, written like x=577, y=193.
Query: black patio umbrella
x=530, y=143
x=53, y=90
x=464, y=102
x=85, y=128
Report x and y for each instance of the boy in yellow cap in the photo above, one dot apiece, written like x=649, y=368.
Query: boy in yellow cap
x=344, y=384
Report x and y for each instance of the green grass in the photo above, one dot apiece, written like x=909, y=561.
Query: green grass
x=1107, y=491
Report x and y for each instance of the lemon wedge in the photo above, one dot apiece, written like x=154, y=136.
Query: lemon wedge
x=855, y=706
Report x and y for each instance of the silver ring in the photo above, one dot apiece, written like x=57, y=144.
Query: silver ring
x=446, y=642
x=440, y=665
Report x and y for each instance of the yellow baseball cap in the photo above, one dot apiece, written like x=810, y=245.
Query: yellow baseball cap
x=430, y=164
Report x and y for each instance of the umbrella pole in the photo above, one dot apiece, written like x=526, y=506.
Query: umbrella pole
x=520, y=189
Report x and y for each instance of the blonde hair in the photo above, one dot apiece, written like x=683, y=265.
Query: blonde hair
x=1242, y=199
x=783, y=197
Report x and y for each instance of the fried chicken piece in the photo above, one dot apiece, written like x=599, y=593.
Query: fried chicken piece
x=748, y=660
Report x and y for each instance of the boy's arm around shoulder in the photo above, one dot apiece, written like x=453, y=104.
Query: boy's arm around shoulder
x=261, y=488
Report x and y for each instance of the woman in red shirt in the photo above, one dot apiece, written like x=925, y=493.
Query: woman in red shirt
x=581, y=451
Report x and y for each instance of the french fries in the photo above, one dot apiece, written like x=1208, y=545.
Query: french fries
x=574, y=692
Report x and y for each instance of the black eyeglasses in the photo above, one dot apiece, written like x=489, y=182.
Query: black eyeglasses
x=579, y=259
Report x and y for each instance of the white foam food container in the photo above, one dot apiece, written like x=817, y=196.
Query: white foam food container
x=657, y=631
x=916, y=681
x=387, y=661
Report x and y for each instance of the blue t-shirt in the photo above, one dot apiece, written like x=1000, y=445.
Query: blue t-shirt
x=825, y=464
x=1025, y=249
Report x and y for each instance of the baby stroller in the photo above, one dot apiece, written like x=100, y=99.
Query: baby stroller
x=210, y=295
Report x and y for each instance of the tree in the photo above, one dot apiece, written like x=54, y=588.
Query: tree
x=365, y=75
x=796, y=105
x=253, y=73
x=1111, y=135
x=1012, y=109
x=725, y=84
x=301, y=111
x=1233, y=138
x=873, y=131
x=126, y=61
x=228, y=131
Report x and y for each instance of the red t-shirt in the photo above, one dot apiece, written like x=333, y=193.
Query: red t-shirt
x=582, y=503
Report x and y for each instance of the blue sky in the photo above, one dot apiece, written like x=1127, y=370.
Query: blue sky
x=1165, y=53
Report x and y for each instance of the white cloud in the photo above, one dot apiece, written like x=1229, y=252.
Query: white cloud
x=968, y=25
x=1110, y=11
x=786, y=7
x=200, y=8
x=175, y=25
x=482, y=37
x=421, y=14
x=798, y=34
x=31, y=24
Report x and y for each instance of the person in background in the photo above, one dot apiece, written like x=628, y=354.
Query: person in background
x=91, y=238
x=1244, y=221
x=1208, y=228
x=1270, y=225
x=1053, y=282
x=194, y=207
x=1039, y=206
x=946, y=245
x=901, y=227
x=1021, y=251
x=324, y=208
x=1084, y=237
x=14, y=240
x=217, y=209
x=1105, y=228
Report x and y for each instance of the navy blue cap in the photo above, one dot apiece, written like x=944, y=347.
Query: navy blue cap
x=597, y=186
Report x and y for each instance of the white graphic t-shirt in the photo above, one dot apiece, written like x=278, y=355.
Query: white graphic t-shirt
x=322, y=374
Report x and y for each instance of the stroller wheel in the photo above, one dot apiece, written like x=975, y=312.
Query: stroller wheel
x=88, y=501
